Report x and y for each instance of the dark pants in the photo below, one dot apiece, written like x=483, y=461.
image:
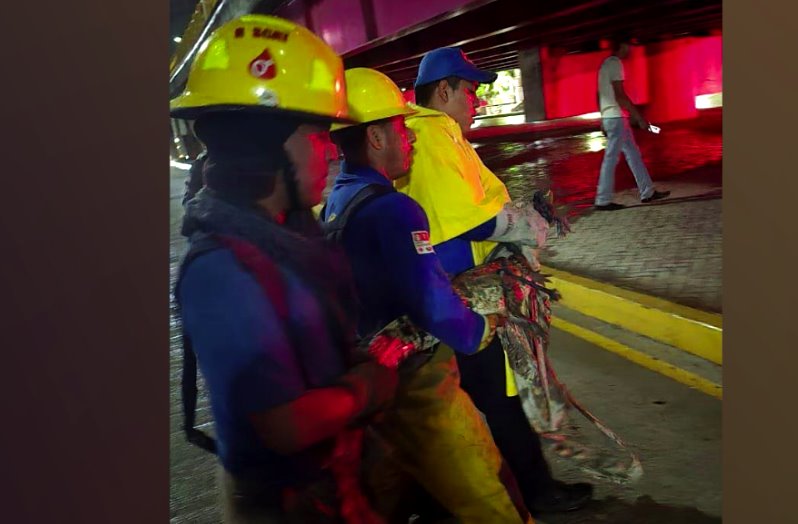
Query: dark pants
x=482, y=376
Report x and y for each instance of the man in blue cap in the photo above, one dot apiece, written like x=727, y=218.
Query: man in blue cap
x=469, y=213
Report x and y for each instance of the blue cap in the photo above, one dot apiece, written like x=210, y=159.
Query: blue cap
x=450, y=61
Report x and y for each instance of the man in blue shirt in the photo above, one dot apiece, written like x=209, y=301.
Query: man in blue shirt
x=434, y=426
x=266, y=307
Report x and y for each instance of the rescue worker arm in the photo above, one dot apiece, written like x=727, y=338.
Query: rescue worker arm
x=320, y=414
x=481, y=232
x=251, y=367
x=417, y=280
x=523, y=225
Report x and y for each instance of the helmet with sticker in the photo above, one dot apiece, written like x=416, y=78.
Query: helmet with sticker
x=265, y=64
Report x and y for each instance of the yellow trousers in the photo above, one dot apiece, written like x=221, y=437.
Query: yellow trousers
x=440, y=439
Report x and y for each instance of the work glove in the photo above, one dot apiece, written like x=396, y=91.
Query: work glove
x=522, y=225
x=532, y=256
x=373, y=385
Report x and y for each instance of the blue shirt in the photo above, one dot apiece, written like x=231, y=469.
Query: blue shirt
x=396, y=270
x=250, y=361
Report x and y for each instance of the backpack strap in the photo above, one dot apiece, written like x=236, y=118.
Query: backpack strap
x=334, y=229
x=188, y=386
x=188, y=390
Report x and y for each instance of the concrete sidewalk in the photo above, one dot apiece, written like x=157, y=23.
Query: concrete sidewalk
x=672, y=250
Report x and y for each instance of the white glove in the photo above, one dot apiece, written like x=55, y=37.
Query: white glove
x=531, y=255
x=521, y=225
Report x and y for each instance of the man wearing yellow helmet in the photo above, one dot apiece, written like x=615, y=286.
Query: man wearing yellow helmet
x=266, y=306
x=438, y=435
x=469, y=212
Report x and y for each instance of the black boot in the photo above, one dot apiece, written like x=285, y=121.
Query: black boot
x=561, y=497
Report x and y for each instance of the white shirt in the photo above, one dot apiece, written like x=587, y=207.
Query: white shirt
x=611, y=70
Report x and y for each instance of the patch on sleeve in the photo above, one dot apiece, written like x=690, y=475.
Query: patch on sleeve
x=422, y=243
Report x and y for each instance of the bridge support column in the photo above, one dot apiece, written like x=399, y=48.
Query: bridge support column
x=532, y=84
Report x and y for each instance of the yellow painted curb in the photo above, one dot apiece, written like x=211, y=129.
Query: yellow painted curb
x=688, y=329
x=659, y=366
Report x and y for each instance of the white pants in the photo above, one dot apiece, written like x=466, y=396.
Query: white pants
x=620, y=139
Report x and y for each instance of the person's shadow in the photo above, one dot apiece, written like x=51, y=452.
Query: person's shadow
x=644, y=510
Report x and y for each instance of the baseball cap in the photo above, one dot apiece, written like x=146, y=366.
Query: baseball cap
x=450, y=61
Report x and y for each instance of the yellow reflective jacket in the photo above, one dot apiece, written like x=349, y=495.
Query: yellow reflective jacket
x=453, y=186
x=449, y=180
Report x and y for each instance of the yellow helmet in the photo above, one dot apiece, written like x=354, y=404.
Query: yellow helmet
x=372, y=96
x=264, y=63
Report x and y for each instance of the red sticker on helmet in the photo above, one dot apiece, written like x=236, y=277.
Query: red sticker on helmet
x=263, y=66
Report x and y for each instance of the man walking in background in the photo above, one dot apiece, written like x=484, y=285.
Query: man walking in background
x=616, y=110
